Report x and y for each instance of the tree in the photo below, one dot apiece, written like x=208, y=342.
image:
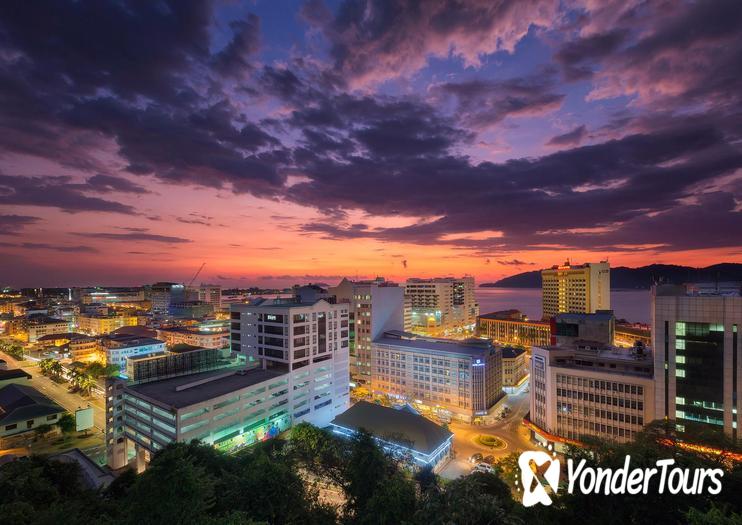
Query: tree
x=426, y=478
x=84, y=383
x=67, y=423
x=45, y=365
x=14, y=350
x=56, y=369
x=42, y=430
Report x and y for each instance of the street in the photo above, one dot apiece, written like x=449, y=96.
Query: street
x=510, y=430
x=71, y=401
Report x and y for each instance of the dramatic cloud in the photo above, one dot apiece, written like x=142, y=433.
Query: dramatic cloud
x=55, y=192
x=571, y=138
x=374, y=40
x=489, y=127
x=13, y=224
x=134, y=236
x=481, y=103
x=45, y=246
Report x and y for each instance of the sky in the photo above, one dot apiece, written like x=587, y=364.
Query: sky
x=286, y=142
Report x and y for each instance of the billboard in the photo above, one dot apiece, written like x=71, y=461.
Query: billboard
x=83, y=418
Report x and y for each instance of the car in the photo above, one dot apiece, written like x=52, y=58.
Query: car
x=489, y=459
x=476, y=458
x=484, y=467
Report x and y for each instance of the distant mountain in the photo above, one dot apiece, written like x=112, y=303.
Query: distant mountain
x=639, y=278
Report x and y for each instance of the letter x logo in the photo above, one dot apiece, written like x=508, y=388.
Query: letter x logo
x=537, y=494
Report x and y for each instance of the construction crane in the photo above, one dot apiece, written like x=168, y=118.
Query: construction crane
x=198, y=272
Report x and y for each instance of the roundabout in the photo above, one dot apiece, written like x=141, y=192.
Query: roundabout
x=491, y=442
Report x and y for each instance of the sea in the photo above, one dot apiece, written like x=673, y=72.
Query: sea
x=632, y=305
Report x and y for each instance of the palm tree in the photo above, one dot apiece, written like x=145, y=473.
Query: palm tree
x=85, y=383
x=56, y=369
x=45, y=365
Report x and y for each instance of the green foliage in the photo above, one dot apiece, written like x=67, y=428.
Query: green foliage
x=67, y=424
x=13, y=349
x=277, y=482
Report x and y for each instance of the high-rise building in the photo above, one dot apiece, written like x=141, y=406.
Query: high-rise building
x=307, y=341
x=445, y=302
x=465, y=306
x=162, y=294
x=211, y=294
x=374, y=307
x=569, y=288
x=695, y=332
x=294, y=368
x=590, y=390
x=450, y=378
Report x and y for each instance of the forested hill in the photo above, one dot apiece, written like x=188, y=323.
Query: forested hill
x=638, y=278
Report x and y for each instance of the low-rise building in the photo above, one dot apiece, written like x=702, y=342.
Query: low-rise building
x=514, y=366
x=190, y=309
x=453, y=379
x=511, y=327
x=40, y=325
x=226, y=408
x=14, y=376
x=104, y=324
x=120, y=347
x=194, y=336
x=24, y=409
x=590, y=390
x=398, y=431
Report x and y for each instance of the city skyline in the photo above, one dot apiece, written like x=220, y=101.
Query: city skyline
x=139, y=141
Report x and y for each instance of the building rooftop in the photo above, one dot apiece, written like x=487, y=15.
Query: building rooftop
x=127, y=341
x=15, y=373
x=508, y=352
x=397, y=426
x=469, y=347
x=138, y=330
x=182, y=348
x=720, y=289
x=72, y=336
x=22, y=402
x=176, y=392
x=600, y=315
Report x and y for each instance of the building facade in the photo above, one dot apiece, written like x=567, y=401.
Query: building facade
x=38, y=326
x=453, y=379
x=514, y=366
x=226, y=408
x=695, y=330
x=569, y=288
x=598, y=391
x=599, y=327
x=118, y=349
x=374, y=307
x=194, y=336
x=511, y=327
x=104, y=324
x=307, y=341
x=444, y=302
x=211, y=294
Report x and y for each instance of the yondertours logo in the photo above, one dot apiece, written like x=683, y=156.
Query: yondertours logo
x=600, y=480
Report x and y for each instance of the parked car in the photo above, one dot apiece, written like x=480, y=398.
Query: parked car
x=476, y=458
x=484, y=467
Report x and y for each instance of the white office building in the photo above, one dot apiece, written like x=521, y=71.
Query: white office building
x=445, y=302
x=590, y=390
x=308, y=341
x=119, y=348
x=374, y=307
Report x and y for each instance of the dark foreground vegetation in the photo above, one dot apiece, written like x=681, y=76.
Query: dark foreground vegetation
x=314, y=478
